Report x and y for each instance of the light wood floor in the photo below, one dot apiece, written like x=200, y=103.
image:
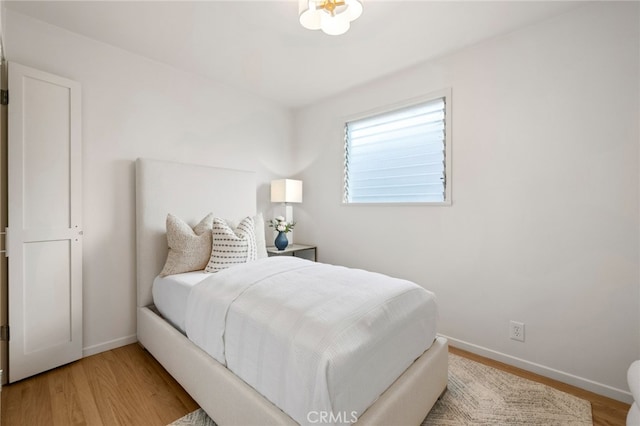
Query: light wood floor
x=126, y=386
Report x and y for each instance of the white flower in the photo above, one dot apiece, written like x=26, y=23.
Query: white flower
x=281, y=225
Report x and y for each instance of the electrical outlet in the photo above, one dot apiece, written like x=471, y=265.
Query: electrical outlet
x=516, y=331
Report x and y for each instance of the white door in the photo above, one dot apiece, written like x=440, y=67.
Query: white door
x=44, y=241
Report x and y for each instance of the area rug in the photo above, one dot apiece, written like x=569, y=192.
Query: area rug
x=482, y=395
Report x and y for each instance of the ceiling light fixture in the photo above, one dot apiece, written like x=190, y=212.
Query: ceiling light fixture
x=333, y=17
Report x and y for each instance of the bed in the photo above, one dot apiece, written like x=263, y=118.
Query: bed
x=167, y=187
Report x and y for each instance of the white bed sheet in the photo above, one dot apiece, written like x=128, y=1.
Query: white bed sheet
x=170, y=295
x=312, y=338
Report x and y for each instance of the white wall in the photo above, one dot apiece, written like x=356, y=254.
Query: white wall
x=134, y=107
x=544, y=223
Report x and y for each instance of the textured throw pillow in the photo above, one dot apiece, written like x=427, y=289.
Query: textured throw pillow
x=189, y=249
x=232, y=246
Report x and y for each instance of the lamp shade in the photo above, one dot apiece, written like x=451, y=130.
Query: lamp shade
x=286, y=191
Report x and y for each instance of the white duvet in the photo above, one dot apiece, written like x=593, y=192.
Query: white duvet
x=319, y=341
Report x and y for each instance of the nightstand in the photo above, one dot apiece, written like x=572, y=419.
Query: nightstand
x=297, y=250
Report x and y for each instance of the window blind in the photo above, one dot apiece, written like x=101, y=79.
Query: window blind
x=397, y=156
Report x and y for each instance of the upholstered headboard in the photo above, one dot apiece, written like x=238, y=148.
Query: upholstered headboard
x=189, y=192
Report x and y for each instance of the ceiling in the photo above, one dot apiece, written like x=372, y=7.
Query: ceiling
x=259, y=46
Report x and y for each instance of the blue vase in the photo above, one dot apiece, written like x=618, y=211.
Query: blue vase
x=281, y=241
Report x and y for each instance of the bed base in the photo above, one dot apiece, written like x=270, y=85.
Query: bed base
x=230, y=401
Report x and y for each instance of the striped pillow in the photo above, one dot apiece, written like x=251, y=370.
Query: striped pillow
x=231, y=247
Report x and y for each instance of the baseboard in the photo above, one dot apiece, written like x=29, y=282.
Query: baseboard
x=107, y=346
x=581, y=382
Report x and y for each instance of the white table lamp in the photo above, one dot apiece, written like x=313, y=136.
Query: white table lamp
x=286, y=191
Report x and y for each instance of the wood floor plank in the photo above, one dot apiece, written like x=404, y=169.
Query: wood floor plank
x=103, y=385
x=37, y=401
x=153, y=385
x=65, y=403
x=135, y=388
x=184, y=397
x=12, y=405
x=127, y=386
x=85, y=396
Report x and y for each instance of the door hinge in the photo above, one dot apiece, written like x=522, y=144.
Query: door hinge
x=4, y=333
x=4, y=97
x=5, y=250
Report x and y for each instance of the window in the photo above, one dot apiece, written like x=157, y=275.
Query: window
x=400, y=155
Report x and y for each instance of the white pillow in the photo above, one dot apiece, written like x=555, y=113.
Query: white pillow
x=189, y=248
x=258, y=226
x=261, y=243
x=232, y=246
